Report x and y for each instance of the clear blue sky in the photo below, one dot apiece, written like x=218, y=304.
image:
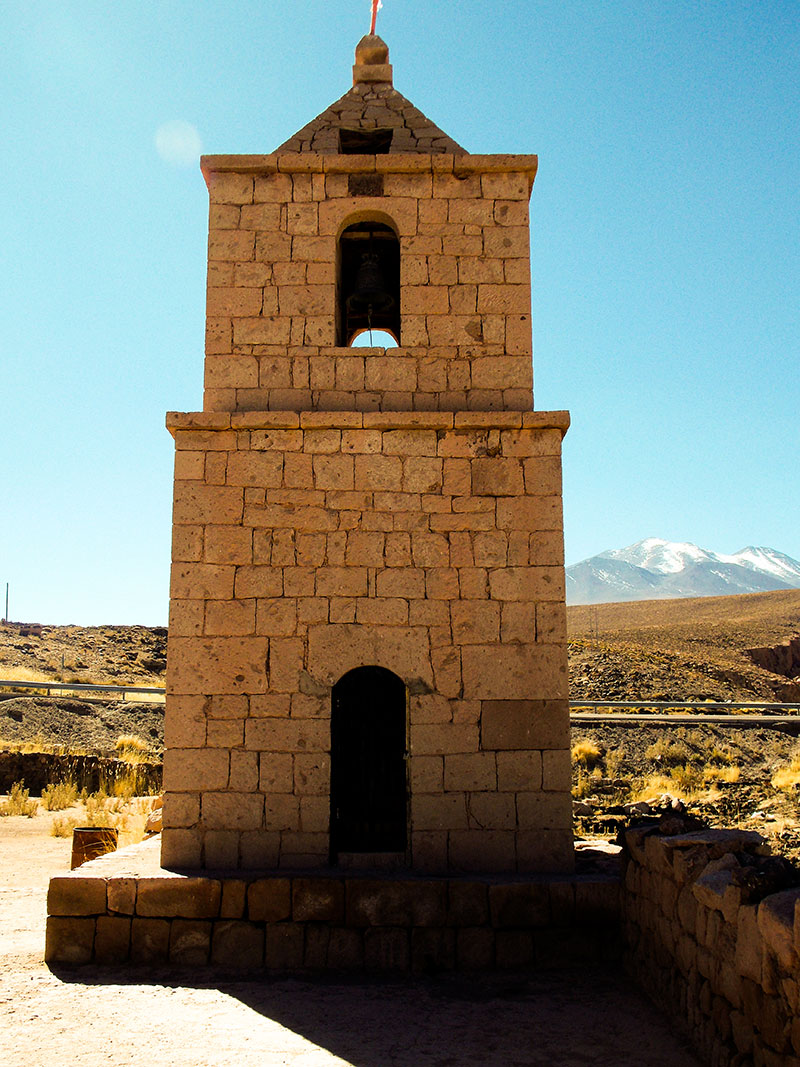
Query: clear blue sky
x=665, y=253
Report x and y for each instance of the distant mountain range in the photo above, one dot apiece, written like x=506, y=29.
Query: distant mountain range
x=656, y=569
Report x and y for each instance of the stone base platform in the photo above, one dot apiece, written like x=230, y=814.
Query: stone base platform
x=125, y=908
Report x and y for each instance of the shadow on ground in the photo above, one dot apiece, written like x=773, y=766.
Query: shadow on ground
x=568, y=1017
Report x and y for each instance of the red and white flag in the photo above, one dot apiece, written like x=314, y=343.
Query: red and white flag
x=376, y=6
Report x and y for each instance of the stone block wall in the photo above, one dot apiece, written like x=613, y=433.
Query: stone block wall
x=306, y=544
x=465, y=302
x=706, y=938
x=122, y=908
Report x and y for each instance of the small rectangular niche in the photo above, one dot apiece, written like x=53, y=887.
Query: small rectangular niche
x=365, y=142
x=365, y=184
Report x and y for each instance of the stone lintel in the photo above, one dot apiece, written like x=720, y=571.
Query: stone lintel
x=385, y=420
x=395, y=162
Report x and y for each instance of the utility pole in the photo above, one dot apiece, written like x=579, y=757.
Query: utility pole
x=5, y=617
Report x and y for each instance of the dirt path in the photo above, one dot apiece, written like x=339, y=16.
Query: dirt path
x=137, y=1018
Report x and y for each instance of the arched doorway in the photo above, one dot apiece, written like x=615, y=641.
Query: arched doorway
x=368, y=762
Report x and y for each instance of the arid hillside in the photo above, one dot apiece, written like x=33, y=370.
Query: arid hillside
x=709, y=648
x=95, y=655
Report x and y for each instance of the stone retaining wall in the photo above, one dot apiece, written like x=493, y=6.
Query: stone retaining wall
x=107, y=912
x=39, y=769
x=707, y=938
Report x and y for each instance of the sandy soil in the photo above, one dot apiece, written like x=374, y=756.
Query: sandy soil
x=136, y=1018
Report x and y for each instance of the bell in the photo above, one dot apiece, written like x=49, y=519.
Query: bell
x=369, y=292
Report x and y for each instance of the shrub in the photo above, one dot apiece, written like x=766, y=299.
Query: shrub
x=58, y=796
x=19, y=802
x=587, y=754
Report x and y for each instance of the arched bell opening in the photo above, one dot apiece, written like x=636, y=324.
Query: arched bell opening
x=369, y=793
x=374, y=339
x=368, y=281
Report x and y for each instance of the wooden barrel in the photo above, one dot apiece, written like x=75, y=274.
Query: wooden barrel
x=89, y=842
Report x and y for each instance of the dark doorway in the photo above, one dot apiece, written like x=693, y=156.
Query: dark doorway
x=368, y=762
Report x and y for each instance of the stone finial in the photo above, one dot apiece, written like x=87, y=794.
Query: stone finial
x=372, y=61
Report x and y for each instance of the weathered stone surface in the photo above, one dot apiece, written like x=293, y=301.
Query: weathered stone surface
x=237, y=945
x=121, y=895
x=234, y=899
x=372, y=903
x=467, y=904
x=112, y=943
x=269, y=900
x=718, y=842
x=776, y=926
x=748, y=944
x=432, y=950
x=523, y=906
x=386, y=949
x=69, y=940
x=71, y=894
x=187, y=898
x=513, y=949
x=283, y=949
x=524, y=724
x=150, y=940
x=317, y=899
x=710, y=887
x=189, y=942
x=345, y=950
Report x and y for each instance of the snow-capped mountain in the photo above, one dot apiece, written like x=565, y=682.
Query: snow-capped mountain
x=657, y=569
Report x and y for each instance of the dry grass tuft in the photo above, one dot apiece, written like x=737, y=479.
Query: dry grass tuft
x=587, y=754
x=788, y=777
x=731, y=773
x=669, y=753
x=63, y=825
x=19, y=802
x=132, y=748
x=59, y=795
x=12, y=673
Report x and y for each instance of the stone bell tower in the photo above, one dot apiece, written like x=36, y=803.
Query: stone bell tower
x=367, y=662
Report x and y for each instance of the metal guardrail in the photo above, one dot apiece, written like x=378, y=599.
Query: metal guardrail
x=694, y=706
x=81, y=687
x=697, y=708
x=789, y=724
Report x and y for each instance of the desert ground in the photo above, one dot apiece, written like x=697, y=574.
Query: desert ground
x=94, y=1016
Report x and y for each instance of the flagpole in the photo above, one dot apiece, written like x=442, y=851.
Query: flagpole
x=375, y=6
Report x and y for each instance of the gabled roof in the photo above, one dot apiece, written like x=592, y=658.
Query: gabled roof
x=372, y=104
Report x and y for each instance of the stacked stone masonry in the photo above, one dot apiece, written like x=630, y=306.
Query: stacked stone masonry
x=462, y=224
x=728, y=968
x=372, y=105
x=396, y=510
x=306, y=544
x=113, y=911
